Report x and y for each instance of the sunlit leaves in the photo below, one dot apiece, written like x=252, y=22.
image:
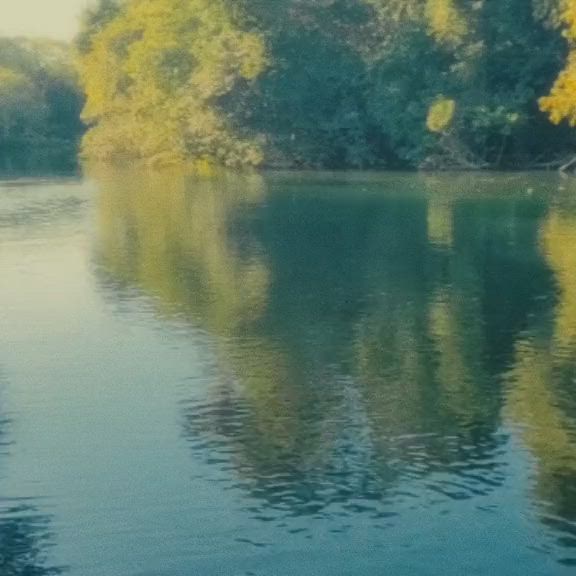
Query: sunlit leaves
x=153, y=76
x=440, y=115
x=323, y=84
x=560, y=104
x=445, y=22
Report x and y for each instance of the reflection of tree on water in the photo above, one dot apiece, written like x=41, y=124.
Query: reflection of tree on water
x=25, y=535
x=362, y=341
x=175, y=245
x=542, y=397
x=194, y=248
x=438, y=334
x=24, y=538
x=4, y=423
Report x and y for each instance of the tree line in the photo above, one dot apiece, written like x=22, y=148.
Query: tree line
x=307, y=83
x=40, y=99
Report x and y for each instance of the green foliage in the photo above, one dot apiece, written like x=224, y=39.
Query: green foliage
x=17, y=102
x=310, y=103
x=489, y=68
x=323, y=84
x=40, y=100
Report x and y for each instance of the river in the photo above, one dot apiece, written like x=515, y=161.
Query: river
x=318, y=374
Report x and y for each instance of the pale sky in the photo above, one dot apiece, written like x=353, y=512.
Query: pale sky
x=45, y=18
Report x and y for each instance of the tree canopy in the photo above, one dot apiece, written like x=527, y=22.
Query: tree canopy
x=40, y=99
x=306, y=83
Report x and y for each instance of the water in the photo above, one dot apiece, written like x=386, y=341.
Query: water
x=312, y=374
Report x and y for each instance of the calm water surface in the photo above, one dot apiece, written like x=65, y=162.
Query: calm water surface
x=299, y=374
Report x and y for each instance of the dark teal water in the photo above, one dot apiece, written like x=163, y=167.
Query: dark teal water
x=291, y=374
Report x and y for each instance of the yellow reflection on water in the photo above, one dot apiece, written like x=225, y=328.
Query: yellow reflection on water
x=401, y=350
x=542, y=380
x=166, y=232
x=185, y=240
x=559, y=248
x=440, y=226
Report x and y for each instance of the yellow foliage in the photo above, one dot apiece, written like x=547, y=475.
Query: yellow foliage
x=568, y=17
x=445, y=22
x=152, y=75
x=560, y=104
x=441, y=114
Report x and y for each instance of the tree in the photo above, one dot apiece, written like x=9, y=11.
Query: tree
x=153, y=77
x=330, y=83
x=17, y=99
x=560, y=104
x=40, y=100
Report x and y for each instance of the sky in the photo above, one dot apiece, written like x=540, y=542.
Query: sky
x=58, y=19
